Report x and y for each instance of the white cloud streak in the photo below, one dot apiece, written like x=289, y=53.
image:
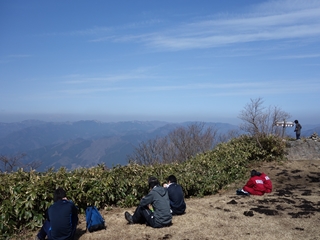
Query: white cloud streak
x=291, y=24
x=269, y=21
x=78, y=79
x=19, y=56
x=302, y=56
x=232, y=88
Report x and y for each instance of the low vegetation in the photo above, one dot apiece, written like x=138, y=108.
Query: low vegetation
x=25, y=195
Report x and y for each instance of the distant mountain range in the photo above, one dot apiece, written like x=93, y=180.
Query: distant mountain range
x=88, y=143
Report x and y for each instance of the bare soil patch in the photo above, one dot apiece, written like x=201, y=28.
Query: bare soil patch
x=291, y=211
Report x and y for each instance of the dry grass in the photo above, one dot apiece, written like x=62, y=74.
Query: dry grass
x=292, y=211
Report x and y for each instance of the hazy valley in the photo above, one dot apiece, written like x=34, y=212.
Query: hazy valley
x=88, y=143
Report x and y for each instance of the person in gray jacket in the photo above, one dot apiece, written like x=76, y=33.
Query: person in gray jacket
x=297, y=129
x=154, y=208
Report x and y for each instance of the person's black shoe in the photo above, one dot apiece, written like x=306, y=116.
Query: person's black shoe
x=248, y=213
x=37, y=238
x=241, y=192
x=128, y=217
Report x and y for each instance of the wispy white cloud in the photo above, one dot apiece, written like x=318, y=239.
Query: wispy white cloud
x=91, y=31
x=275, y=6
x=216, y=40
x=275, y=20
x=137, y=74
x=286, y=23
x=302, y=56
x=83, y=91
x=231, y=88
x=102, y=39
x=268, y=21
x=102, y=31
x=13, y=57
x=19, y=56
x=83, y=32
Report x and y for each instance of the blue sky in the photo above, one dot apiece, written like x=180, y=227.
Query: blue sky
x=158, y=60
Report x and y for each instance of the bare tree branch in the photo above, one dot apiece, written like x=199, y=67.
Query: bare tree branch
x=258, y=121
x=178, y=146
x=10, y=164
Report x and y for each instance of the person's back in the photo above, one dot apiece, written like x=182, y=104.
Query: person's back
x=255, y=184
x=176, y=196
x=267, y=182
x=63, y=217
x=154, y=208
x=159, y=199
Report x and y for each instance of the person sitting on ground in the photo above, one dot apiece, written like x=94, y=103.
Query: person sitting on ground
x=266, y=181
x=254, y=185
x=176, y=196
x=62, y=219
x=154, y=208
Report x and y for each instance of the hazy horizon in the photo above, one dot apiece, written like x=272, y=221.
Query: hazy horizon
x=49, y=118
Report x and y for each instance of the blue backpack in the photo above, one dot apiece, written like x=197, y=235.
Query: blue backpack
x=94, y=219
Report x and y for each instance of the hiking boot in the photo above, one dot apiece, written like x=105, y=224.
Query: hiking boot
x=241, y=192
x=248, y=213
x=37, y=238
x=128, y=217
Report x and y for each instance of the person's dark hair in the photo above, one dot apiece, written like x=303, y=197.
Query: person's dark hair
x=153, y=181
x=59, y=194
x=172, y=179
x=296, y=121
x=254, y=173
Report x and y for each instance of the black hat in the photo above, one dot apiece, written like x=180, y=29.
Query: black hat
x=253, y=173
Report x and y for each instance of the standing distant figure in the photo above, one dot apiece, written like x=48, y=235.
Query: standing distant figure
x=297, y=129
x=176, y=196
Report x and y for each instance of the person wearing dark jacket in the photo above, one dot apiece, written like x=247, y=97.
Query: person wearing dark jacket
x=154, y=208
x=62, y=219
x=176, y=196
x=297, y=129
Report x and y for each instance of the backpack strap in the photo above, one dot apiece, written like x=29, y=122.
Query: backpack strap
x=88, y=215
x=100, y=216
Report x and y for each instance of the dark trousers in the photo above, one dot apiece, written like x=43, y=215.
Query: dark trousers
x=45, y=231
x=144, y=215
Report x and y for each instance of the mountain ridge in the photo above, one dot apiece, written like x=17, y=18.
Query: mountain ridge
x=88, y=142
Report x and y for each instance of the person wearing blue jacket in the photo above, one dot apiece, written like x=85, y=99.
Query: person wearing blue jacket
x=62, y=219
x=176, y=196
x=154, y=208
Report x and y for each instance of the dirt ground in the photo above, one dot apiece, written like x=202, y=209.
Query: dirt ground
x=291, y=211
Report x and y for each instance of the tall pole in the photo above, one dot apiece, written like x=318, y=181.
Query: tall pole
x=284, y=127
